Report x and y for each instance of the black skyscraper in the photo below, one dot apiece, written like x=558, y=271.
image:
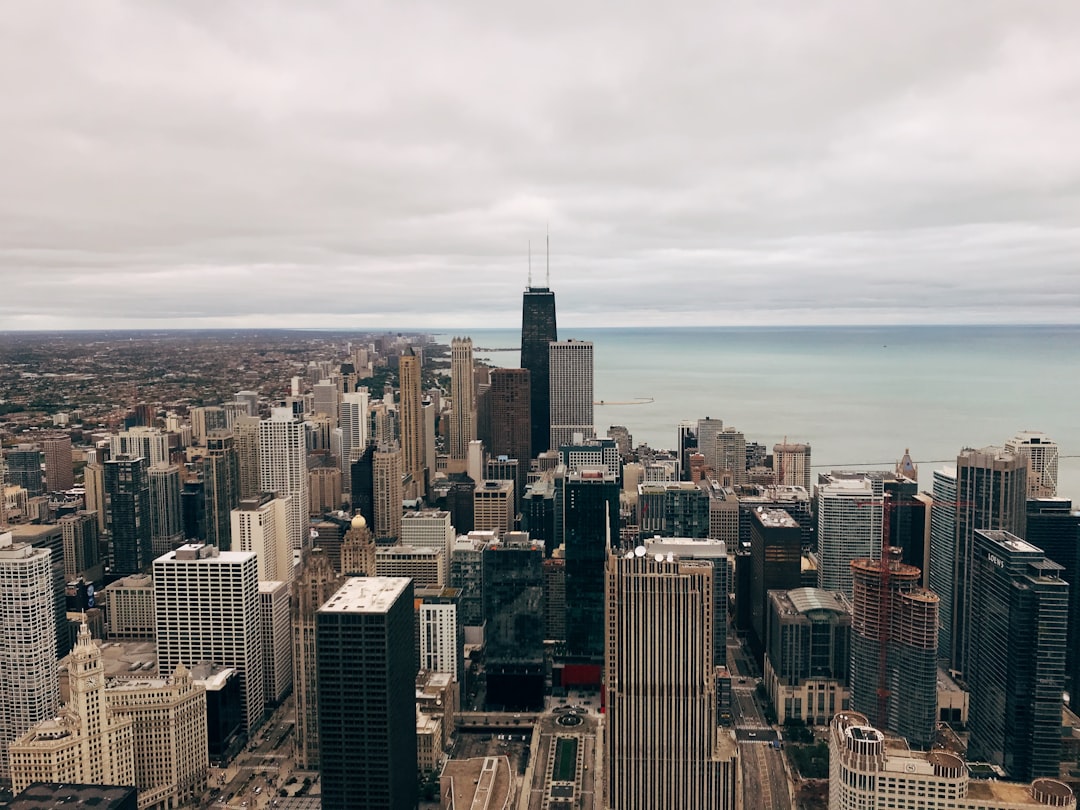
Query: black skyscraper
x=537, y=331
x=127, y=498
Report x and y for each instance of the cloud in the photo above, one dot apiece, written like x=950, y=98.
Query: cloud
x=386, y=164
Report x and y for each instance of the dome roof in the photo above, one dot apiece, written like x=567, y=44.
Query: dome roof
x=358, y=522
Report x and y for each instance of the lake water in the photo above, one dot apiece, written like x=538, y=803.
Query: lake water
x=858, y=395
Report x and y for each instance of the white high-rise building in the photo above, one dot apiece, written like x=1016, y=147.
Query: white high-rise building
x=570, y=366
x=148, y=442
x=429, y=528
x=463, y=393
x=207, y=608
x=29, y=690
x=262, y=525
x=283, y=467
x=353, y=423
x=437, y=620
x=276, y=641
x=850, y=511
x=1041, y=453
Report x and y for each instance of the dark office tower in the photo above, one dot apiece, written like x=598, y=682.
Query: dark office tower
x=685, y=444
x=893, y=612
x=24, y=468
x=366, y=680
x=363, y=484
x=663, y=743
x=221, y=487
x=538, y=513
x=59, y=470
x=127, y=499
x=907, y=519
x=775, y=565
x=193, y=509
x=514, y=632
x=1016, y=655
x=673, y=509
x=592, y=517
x=537, y=331
x=460, y=503
x=315, y=583
x=1054, y=526
x=991, y=493
x=507, y=428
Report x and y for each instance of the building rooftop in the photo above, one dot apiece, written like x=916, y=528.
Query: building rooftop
x=52, y=795
x=775, y=518
x=202, y=552
x=366, y=595
x=477, y=784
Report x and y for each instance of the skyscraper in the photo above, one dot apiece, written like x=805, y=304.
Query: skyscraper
x=412, y=420
x=127, y=498
x=388, y=496
x=166, y=519
x=1016, y=655
x=538, y=329
x=150, y=443
x=1041, y=454
x=1054, y=526
x=29, y=689
x=776, y=564
x=991, y=493
x=261, y=525
x=366, y=692
x=283, y=467
x=792, y=465
x=591, y=508
x=59, y=471
x=514, y=638
x=850, y=512
x=571, y=391
x=315, y=584
x=664, y=745
x=894, y=624
x=206, y=607
x=82, y=558
x=463, y=393
x=221, y=486
x=24, y=468
x=506, y=429
x=353, y=418
x=246, y=431
x=942, y=574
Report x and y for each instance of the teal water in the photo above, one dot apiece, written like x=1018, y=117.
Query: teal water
x=858, y=395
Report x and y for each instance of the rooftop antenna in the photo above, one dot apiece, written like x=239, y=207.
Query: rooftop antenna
x=530, y=264
x=547, y=274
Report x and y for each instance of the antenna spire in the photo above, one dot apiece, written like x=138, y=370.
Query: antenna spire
x=547, y=273
x=530, y=263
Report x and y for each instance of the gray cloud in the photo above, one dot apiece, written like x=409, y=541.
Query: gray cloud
x=381, y=164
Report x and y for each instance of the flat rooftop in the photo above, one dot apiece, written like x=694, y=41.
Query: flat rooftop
x=366, y=595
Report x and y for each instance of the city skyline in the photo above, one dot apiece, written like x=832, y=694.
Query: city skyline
x=173, y=167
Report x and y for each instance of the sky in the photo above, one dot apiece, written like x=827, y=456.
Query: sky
x=211, y=163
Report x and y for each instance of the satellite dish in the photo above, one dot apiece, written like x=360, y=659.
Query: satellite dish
x=659, y=557
x=628, y=555
x=640, y=551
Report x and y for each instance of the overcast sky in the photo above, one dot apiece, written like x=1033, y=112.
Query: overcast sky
x=366, y=164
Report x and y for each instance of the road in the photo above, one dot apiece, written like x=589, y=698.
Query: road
x=765, y=781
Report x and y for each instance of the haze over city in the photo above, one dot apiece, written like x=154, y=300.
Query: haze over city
x=319, y=165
